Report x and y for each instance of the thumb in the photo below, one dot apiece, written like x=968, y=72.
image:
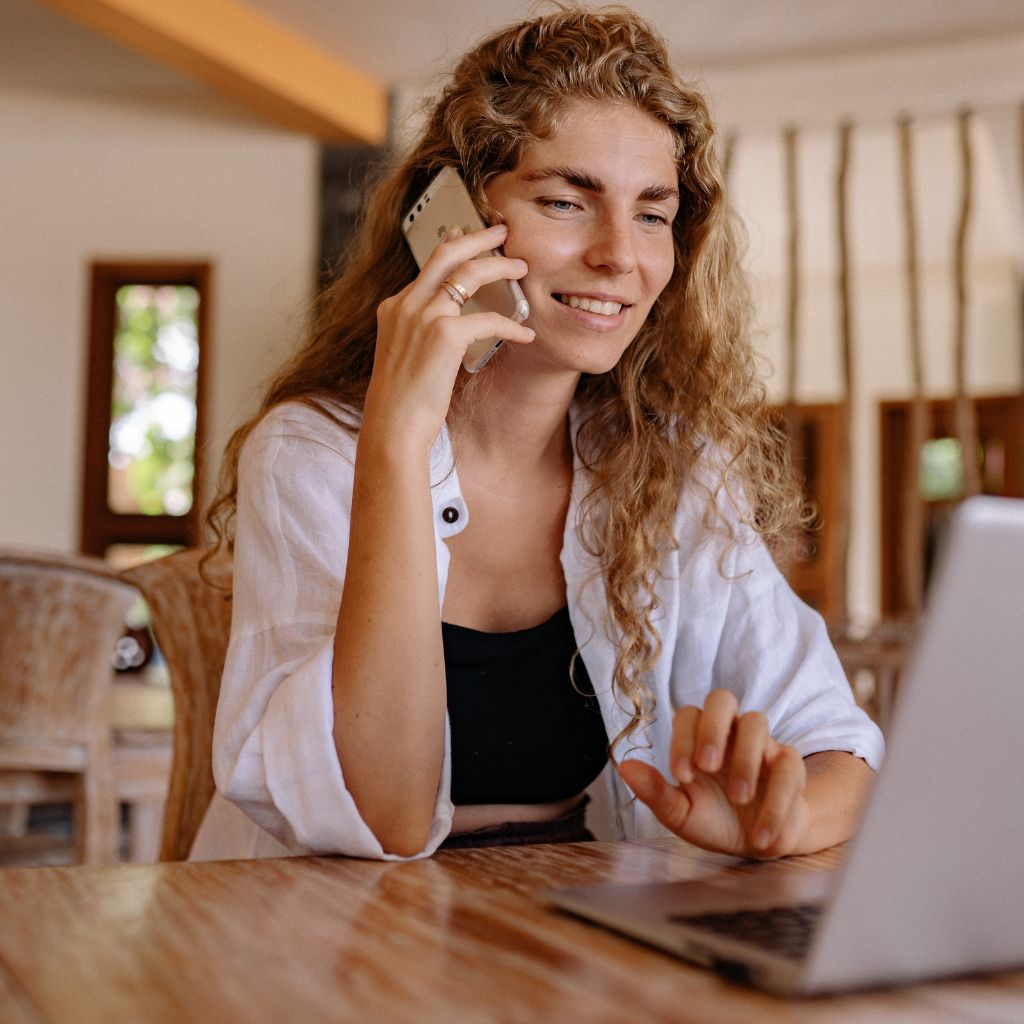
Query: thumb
x=671, y=806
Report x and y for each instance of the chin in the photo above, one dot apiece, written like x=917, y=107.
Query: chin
x=594, y=367
x=574, y=353
x=591, y=357
x=570, y=358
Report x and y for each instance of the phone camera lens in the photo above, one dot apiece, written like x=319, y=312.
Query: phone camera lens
x=419, y=206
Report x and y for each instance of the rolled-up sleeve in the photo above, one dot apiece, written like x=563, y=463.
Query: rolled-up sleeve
x=776, y=656
x=274, y=753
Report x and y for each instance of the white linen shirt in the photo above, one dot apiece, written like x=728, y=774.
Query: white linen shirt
x=731, y=623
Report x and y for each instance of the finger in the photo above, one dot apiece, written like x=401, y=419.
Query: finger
x=684, y=737
x=750, y=737
x=713, y=730
x=786, y=780
x=464, y=330
x=472, y=276
x=671, y=806
x=461, y=249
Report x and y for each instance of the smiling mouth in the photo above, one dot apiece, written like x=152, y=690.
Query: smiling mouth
x=591, y=305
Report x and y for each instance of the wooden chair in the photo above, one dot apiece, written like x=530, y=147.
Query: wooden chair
x=60, y=618
x=881, y=654
x=191, y=622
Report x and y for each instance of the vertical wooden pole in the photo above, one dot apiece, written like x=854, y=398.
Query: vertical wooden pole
x=1020, y=129
x=965, y=414
x=841, y=523
x=793, y=294
x=728, y=154
x=912, y=508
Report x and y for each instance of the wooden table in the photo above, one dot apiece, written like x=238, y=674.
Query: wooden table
x=462, y=938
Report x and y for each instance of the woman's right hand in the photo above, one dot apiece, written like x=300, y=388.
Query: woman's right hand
x=422, y=338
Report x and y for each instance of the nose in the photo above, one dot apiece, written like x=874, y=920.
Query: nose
x=612, y=247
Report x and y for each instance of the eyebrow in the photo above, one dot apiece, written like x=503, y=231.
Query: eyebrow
x=589, y=183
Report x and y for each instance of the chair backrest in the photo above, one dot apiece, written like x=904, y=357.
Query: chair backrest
x=191, y=621
x=60, y=619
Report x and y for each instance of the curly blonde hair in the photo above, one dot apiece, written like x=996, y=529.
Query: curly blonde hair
x=685, y=388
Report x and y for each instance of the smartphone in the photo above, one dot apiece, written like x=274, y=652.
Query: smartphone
x=446, y=202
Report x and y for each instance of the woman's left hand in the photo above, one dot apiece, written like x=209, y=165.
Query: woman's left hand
x=739, y=791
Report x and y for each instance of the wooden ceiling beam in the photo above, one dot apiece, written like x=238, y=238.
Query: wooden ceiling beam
x=242, y=54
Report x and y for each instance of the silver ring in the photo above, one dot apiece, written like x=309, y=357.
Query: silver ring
x=455, y=291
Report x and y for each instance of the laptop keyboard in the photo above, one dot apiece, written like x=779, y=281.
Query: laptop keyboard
x=786, y=931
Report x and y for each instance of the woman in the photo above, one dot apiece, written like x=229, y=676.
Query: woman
x=453, y=595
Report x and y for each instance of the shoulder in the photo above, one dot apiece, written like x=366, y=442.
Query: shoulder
x=305, y=426
x=298, y=456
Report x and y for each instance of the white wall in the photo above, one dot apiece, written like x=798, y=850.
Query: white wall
x=84, y=179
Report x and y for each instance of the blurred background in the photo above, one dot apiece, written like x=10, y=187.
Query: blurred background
x=177, y=177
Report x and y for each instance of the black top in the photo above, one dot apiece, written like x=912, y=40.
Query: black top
x=521, y=732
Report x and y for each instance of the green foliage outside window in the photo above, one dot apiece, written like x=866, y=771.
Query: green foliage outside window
x=942, y=470
x=153, y=415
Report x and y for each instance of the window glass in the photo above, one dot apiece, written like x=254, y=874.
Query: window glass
x=942, y=470
x=153, y=410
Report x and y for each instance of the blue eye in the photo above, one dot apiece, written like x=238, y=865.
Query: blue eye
x=560, y=205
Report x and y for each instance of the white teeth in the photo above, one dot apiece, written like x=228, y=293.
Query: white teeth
x=591, y=305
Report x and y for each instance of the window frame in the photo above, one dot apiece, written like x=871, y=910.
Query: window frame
x=100, y=526
x=998, y=416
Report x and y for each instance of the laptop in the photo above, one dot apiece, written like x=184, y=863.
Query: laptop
x=933, y=883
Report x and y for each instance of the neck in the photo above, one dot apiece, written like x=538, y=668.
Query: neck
x=516, y=416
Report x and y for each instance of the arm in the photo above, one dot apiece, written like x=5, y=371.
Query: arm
x=389, y=689
x=388, y=679
x=274, y=748
x=838, y=785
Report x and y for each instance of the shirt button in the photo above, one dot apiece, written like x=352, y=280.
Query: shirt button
x=450, y=515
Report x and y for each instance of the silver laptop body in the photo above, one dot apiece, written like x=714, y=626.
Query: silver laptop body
x=933, y=884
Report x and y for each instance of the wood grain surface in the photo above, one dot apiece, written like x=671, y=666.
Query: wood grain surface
x=60, y=618
x=464, y=937
x=191, y=617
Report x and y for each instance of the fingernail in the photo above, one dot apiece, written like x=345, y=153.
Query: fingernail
x=453, y=232
x=762, y=837
x=499, y=227
x=707, y=758
x=683, y=770
x=740, y=791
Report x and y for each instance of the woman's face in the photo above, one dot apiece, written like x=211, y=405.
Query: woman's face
x=590, y=210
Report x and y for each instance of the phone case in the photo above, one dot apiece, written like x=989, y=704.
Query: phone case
x=446, y=202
